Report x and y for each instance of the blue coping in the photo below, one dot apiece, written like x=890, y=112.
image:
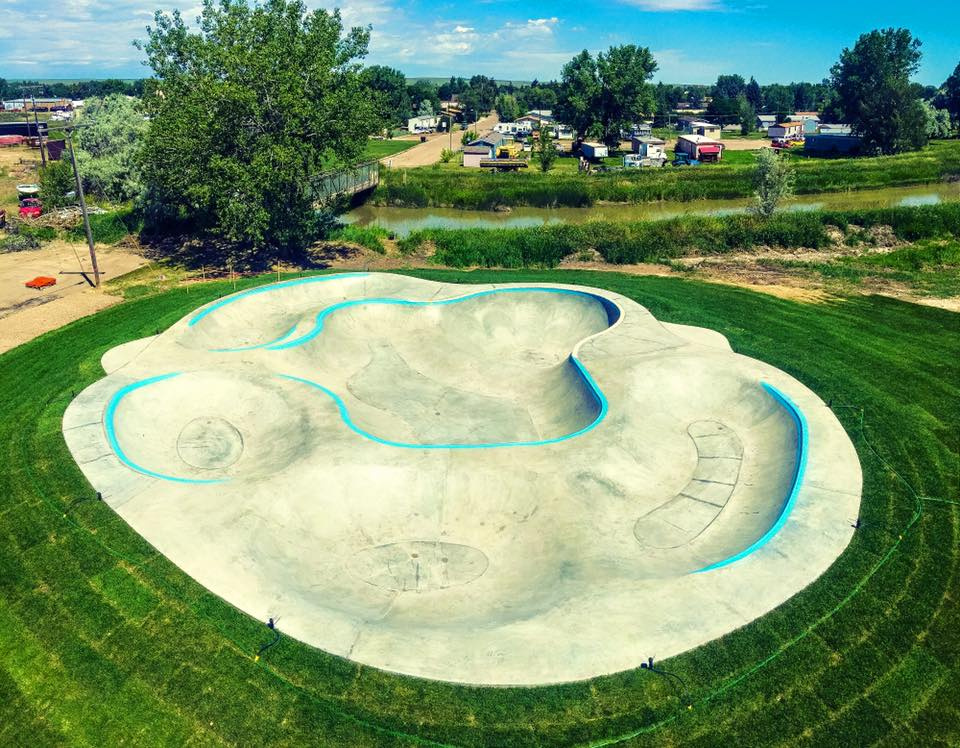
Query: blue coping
x=800, y=467
x=345, y=417
x=613, y=312
x=108, y=420
x=267, y=289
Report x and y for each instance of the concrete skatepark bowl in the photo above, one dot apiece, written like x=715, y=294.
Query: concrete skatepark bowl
x=502, y=484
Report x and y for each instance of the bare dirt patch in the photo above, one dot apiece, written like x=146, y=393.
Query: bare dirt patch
x=26, y=313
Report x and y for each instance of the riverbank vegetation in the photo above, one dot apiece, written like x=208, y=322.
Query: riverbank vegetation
x=469, y=189
x=658, y=241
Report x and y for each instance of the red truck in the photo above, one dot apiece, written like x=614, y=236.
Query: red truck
x=30, y=207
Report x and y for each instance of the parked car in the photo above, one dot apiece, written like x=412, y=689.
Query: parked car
x=30, y=208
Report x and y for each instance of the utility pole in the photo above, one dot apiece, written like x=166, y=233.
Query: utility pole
x=83, y=210
x=36, y=121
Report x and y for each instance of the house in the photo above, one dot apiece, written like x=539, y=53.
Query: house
x=693, y=126
x=423, y=123
x=643, y=130
x=700, y=147
x=482, y=148
x=765, y=121
x=537, y=117
x=707, y=130
x=810, y=120
x=832, y=145
x=563, y=132
x=786, y=130
x=648, y=147
x=593, y=150
x=834, y=129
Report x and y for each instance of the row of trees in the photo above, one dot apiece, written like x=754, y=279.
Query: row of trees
x=870, y=87
x=71, y=90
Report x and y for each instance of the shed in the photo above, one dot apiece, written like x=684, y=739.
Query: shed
x=700, y=148
x=474, y=154
x=643, y=130
x=648, y=147
x=593, y=150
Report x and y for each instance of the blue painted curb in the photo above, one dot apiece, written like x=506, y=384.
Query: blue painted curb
x=108, y=421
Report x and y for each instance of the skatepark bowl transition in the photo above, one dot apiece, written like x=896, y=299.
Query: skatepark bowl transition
x=499, y=484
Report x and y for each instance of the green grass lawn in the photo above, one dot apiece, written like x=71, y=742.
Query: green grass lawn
x=103, y=641
x=377, y=149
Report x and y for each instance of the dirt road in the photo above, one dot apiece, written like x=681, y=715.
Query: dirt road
x=26, y=313
x=428, y=153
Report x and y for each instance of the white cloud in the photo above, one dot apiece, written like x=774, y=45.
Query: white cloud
x=463, y=29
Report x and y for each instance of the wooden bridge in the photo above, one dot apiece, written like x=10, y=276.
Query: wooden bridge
x=346, y=182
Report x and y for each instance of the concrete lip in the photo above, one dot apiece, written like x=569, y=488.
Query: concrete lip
x=501, y=484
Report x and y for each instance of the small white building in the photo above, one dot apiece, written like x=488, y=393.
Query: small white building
x=423, y=123
x=786, y=130
x=593, y=150
x=563, y=132
x=835, y=129
x=648, y=147
x=700, y=148
x=514, y=128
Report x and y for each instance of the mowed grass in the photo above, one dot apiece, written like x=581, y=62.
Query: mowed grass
x=377, y=149
x=103, y=641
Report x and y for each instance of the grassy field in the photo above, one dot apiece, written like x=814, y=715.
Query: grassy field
x=103, y=641
x=377, y=149
x=733, y=178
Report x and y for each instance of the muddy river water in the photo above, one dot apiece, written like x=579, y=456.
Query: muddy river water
x=404, y=220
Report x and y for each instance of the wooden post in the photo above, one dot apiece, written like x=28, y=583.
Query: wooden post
x=83, y=211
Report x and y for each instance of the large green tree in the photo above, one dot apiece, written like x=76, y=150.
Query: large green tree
x=602, y=96
x=874, y=93
x=389, y=86
x=108, y=147
x=951, y=94
x=244, y=110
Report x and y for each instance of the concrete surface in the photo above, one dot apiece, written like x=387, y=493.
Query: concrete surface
x=492, y=484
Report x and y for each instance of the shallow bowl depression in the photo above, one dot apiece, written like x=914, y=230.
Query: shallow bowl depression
x=500, y=485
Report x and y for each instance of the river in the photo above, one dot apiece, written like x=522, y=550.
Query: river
x=402, y=221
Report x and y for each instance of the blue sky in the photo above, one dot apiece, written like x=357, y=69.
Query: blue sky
x=693, y=40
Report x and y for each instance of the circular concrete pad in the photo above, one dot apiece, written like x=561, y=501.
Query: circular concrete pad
x=485, y=484
x=210, y=443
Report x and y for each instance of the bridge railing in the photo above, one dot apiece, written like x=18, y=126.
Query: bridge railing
x=345, y=182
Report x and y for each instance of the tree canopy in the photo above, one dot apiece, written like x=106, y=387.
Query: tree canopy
x=389, y=86
x=244, y=111
x=602, y=96
x=951, y=93
x=108, y=147
x=874, y=93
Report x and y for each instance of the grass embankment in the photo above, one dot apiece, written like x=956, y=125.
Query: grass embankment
x=652, y=241
x=471, y=189
x=929, y=268
x=103, y=641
